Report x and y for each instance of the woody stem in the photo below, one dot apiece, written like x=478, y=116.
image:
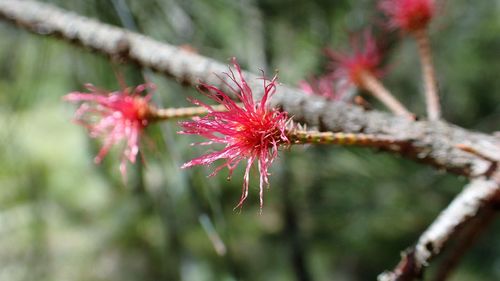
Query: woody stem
x=162, y=114
x=429, y=76
x=314, y=137
x=377, y=89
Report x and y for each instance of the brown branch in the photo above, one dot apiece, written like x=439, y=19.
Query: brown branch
x=162, y=114
x=470, y=235
x=475, y=198
x=297, y=136
x=377, y=89
x=434, y=143
x=431, y=142
x=429, y=75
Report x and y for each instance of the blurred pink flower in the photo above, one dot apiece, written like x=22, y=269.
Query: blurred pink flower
x=251, y=131
x=408, y=15
x=328, y=87
x=114, y=117
x=322, y=86
x=363, y=59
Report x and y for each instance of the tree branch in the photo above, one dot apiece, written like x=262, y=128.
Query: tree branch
x=431, y=142
x=435, y=143
x=475, y=198
x=466, y=239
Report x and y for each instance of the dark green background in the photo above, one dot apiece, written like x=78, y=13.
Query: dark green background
x=332, y=213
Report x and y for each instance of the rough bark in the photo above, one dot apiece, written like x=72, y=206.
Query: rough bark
x=476, y=197
x=432, y=142
x=436, y=143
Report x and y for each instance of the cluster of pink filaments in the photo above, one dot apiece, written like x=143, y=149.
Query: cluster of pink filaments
x=408, y=15
x=114, y=117
x=365, y=58
x=251, y=131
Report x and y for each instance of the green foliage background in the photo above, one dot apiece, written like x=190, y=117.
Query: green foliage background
x=332, y=213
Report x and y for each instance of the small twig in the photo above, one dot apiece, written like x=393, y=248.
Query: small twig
x=314, y=137
x=476, y=196
x=472, y=232
x=487, y=152
x=429, y=76
x=377, y=89
x=162, y=114
x=406, y=270
x=480, y=152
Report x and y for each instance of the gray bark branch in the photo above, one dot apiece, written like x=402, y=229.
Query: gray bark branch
x=434, y=143
x=431, y=142
x=476, y=197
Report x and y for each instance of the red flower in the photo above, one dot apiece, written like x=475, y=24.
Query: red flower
x=350, y=67
x=408, y=15
x=116, y=116
x=251, y=131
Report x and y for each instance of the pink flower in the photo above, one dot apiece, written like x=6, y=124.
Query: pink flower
x=408, y=15
x=114, y=117
x=322, y=86
x=350, y=67
x=251, y=131
x=325, y=86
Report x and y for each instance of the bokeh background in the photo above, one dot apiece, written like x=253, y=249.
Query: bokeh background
x=332, y=213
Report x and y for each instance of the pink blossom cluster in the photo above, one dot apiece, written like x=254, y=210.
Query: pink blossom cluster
x=251, y=131
x=115, y=117
x=364, y=55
